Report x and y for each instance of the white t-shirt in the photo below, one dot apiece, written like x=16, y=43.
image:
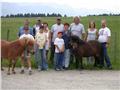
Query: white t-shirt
x=55, y=29
x=104, y=33
x=27, y=36
x=77, y=30
x=91, y=34
x=59, y=42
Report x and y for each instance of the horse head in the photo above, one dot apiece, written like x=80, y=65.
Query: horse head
x=75, y=41
x=29, y=44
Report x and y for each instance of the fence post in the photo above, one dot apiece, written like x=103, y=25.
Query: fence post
x=8, y=32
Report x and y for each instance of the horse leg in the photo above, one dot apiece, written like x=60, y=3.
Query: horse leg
x=10, y=63
x=1, y=65
x=81, y=63
x=77, y=62
x=14, y=63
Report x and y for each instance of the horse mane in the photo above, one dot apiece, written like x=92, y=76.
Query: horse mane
x=77, y=40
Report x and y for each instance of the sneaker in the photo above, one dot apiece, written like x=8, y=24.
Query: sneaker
x=22, y=72
x=109, y=67
x=57, y=69
x=39, y=69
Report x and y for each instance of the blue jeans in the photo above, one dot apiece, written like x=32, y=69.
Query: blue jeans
x=59, y=60
x=42, y=59
x=104, y=55
x=66, y=59
x=36, y=49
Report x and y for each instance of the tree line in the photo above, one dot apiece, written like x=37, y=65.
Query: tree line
x=49, y=15
x=33, y=15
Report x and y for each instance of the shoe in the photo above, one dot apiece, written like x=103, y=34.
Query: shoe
x=39, y=69
x=109, y=67
x=57, y=69
x=22, y=72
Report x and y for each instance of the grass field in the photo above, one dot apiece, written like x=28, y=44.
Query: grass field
x=13, y=24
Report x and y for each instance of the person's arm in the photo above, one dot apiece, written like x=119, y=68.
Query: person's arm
x=56, y=46
x=86, y=36
x=83, y=33
x=49, y=37
x=97, y=35
x=63, y=48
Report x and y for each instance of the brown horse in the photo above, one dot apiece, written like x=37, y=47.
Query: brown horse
x=11, y=50
x=81, y=49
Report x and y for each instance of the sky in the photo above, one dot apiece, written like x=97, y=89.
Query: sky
x=68, y=7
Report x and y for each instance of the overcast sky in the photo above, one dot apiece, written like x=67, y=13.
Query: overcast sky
x=69, y=7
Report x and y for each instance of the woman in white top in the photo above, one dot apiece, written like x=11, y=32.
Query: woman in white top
x=47, y=32
x=92, y=34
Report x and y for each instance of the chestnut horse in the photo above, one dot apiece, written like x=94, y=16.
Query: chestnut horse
x=81, y=49
x=11, y=50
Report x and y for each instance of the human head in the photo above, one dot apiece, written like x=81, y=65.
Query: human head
x=39, y=21
x=92, y=24
x=60, y=34
x=76, y=20
x=26, y=30
x=58, y=20
x=45, y=24
x=41, y=29
x=26, y=22
x=103, y=23
x=66, y=26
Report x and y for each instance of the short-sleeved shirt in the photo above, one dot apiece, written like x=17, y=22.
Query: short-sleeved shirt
x=26, y=36
x=21, y=31
x=91, y=35
x=55, y=29
x=104, y=33
x=77, y=30
x=59, y=42
x=41, y=39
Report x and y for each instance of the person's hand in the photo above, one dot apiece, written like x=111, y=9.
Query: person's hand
x=107, y=45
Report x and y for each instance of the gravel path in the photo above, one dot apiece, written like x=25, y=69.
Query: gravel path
x=62, y=80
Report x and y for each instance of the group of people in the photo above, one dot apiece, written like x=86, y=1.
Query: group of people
x=57, y=39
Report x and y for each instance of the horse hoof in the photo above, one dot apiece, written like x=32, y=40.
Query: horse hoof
x=14, y=72
x=8, y=73
x=2, y=69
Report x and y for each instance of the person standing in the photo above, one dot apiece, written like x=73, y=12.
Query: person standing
x=66, y=38
x=36, y=29
x=59, y=52
x=26, y=54
x=58, y=27
x=104, y=39
x=47, y=32
x=76, y=28
x=92, y=34
x=41, y=39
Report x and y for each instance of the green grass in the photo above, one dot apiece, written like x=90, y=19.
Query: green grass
x=113, y=22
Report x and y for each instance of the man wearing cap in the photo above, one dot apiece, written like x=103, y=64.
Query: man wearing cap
x=76, y=28
x=58, y=27
x=37, y=26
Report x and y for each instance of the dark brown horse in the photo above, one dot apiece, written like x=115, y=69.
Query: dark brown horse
x=81, y=49
x=11, y=50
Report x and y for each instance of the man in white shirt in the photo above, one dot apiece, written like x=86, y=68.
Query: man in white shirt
x=26, y=54
x=77, y=29
x=104, y=39
x=58, y=27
